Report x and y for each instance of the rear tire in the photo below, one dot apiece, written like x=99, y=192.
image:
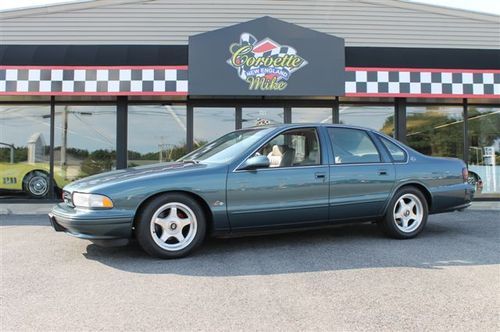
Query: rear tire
x=171, y=226
x=406, y=214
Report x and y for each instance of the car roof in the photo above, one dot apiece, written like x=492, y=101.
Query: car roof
x=312, y=124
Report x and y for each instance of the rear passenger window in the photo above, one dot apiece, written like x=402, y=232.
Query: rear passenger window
x=352, y=146
x=396, y=152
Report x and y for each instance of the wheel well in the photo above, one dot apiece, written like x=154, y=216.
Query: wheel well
x=33, y=171
x=423, y=190
x=197, y=198
x=474, y=174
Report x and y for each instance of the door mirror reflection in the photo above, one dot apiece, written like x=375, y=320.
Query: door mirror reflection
x=256, y=162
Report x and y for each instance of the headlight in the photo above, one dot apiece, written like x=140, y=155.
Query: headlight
x=92, y=201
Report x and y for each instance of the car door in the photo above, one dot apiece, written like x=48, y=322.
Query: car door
x=293, y=190
x=361, y=176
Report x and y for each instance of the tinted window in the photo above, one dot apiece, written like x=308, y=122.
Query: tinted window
x=352, y=146
x=293, y=148
x=396, y=152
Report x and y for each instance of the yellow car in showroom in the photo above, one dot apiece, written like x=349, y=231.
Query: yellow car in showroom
x=31, y=178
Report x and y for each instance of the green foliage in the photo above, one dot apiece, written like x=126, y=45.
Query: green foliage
x=171, y=154
x=77, y=153
x=484, y=130
x=435, y=133
x=97, y=162
x=20, y=154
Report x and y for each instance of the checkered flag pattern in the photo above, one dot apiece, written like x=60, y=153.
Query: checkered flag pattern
x=247, y=38
x=382, y=82
x=81, y=81
x=421, y=82
x=280, y=51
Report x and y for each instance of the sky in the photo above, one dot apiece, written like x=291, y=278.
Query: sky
x=486, y=6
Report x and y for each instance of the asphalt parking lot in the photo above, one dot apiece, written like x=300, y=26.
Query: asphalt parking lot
x=344, y=278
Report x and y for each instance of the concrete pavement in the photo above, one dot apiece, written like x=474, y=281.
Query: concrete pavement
x=346, y=278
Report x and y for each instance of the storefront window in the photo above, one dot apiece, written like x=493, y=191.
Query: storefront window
x=84, y=141
x=211, y=123
x=24, y=151
x=311, y=115
x=436, y=130
x=253, y=116
x=484, y=150
x=380, y=118
x=156, y=133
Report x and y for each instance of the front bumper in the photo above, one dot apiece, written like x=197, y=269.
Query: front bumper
x=92, y=224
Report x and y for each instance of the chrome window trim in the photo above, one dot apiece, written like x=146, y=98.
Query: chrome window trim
x=362, y=164
x=278, y=168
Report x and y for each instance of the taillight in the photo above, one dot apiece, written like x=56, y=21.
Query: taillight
x=465, y=174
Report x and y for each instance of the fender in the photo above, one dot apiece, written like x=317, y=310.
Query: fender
x=427, y=193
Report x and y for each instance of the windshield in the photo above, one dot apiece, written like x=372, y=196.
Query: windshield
x=227, y=147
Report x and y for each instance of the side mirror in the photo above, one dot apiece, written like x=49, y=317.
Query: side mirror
x=256, y=162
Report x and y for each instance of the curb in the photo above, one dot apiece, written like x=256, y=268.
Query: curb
x=485, y=205
x=25, y=209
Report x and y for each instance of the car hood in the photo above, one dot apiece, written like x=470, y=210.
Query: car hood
x=119, y=176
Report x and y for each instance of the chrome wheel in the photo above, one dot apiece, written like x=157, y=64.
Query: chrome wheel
x=38, y=185
x=408, y=213
x=173, y=226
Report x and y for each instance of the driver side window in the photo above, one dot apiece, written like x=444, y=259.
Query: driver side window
x=296, y=147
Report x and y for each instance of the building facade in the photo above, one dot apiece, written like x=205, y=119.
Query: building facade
x=99, y=85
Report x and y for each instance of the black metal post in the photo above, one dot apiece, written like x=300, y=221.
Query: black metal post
x=287, y=114
x=189, y=128
x=400, y=119
x=239, y=117
x=336, y=111
x=466, y=130
x=51, y=146
x=121, y=132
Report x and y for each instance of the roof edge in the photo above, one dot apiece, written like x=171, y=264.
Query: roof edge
x=61, y=7
x=436, y=9
x=405, y=4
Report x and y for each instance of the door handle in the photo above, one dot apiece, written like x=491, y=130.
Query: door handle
x=320, y=175
x=382, y=172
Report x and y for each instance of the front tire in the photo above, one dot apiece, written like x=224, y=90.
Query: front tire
x=406, y=214
x=171, y=226
x=36, y=184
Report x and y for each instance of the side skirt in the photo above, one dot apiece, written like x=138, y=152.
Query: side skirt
x=288, y=229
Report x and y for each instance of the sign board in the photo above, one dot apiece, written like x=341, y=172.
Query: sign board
x=266, y=57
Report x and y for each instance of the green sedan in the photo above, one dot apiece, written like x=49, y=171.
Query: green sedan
x=261, y=180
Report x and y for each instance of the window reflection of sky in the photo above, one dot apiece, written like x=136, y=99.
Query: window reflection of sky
x=251, y=115
x=89, y=127
x=152, y=125
x=373, y=117
x=94, y=127
x=311, y=115
x=212, y=122
x=19, y=122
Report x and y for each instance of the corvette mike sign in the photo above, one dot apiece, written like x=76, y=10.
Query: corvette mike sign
x=265, y=64
x=266, y=57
